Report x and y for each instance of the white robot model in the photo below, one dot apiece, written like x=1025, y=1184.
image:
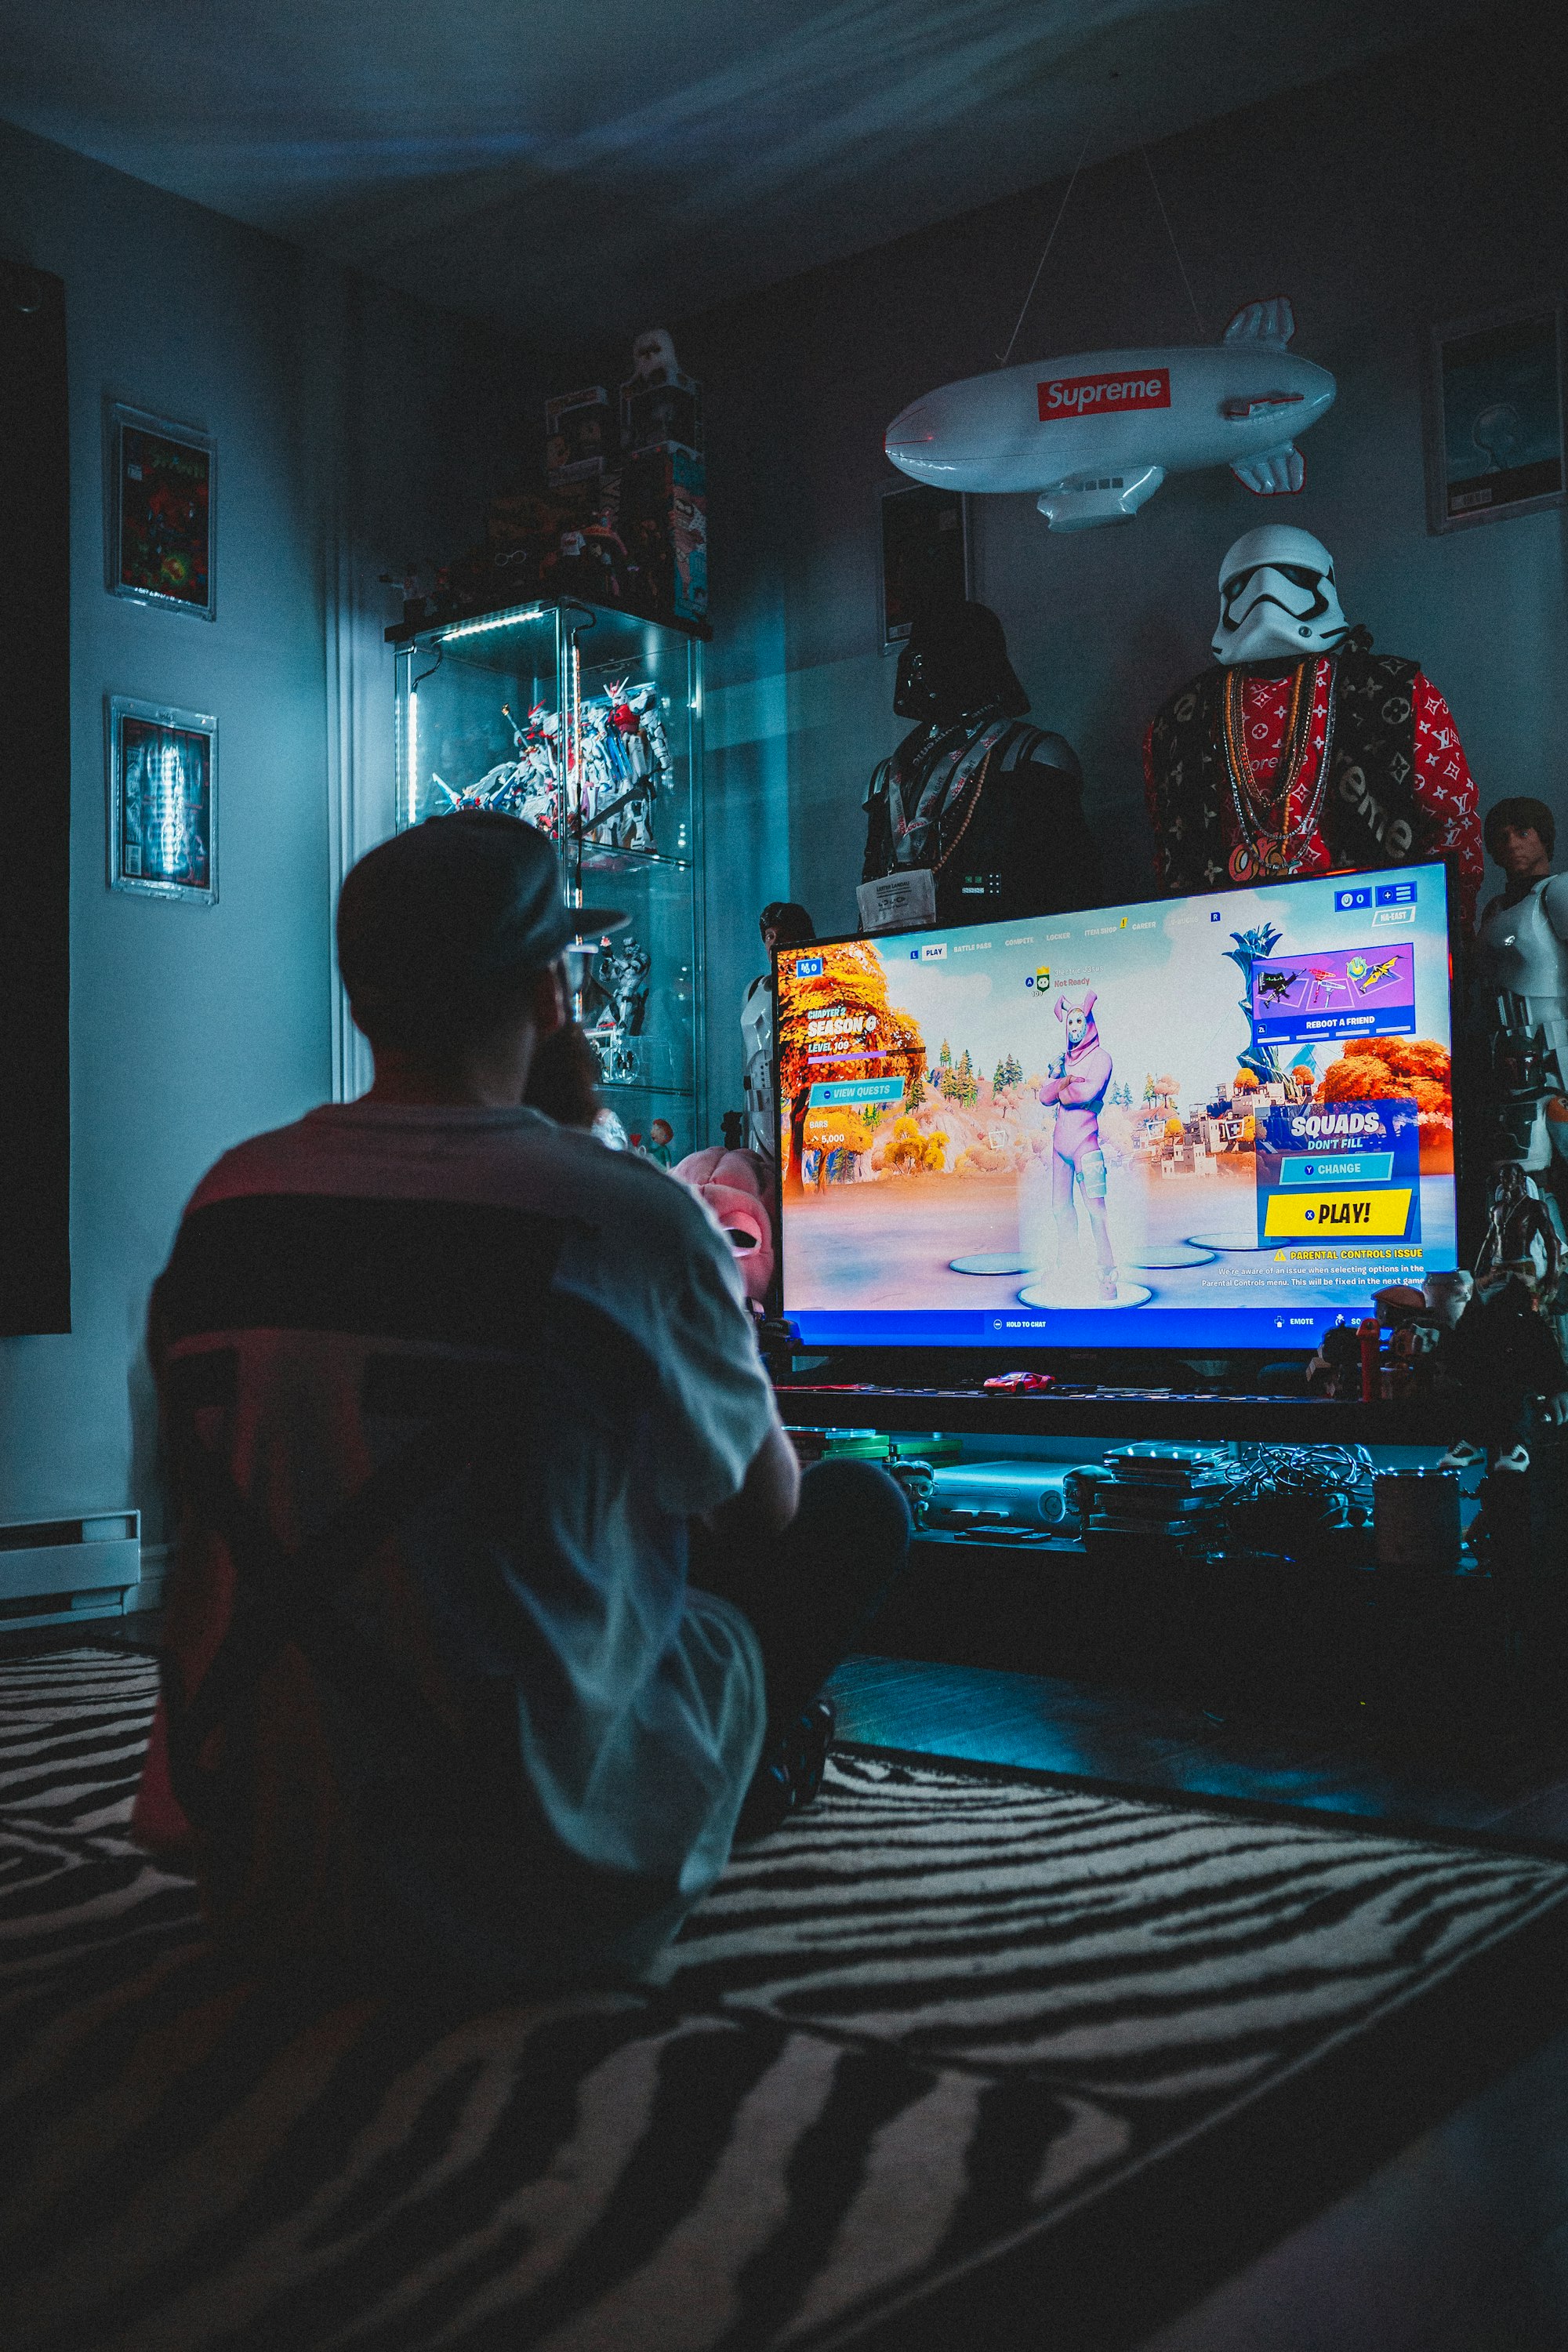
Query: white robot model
x=784, y=923
x=1521, y=976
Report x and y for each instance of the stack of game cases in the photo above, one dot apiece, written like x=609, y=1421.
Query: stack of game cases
x=1151, y=1491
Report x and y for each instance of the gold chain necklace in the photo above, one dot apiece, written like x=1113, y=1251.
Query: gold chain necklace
x=1267, y=836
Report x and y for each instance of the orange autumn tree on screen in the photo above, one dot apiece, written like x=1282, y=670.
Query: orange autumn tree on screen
x=838, y=1024
x=1401, y=1069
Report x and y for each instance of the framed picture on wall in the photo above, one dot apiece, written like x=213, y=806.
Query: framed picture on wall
x=161, y=512
x=924, y=549
x=1495, y=441
x=163, y=802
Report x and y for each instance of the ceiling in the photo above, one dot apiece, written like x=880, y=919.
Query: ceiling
x=571, y=168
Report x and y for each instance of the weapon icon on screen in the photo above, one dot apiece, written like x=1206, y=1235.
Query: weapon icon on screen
x=1321, y=982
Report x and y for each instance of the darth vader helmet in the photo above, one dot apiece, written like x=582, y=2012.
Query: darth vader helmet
x=955, y=661
x=1278, y=601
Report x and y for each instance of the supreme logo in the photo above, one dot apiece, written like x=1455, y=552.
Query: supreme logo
x=1083, y=395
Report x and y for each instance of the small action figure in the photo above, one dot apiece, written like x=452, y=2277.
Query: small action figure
x=528, y=785
x=1506, y=1358
x=573, y=570
x=621, y=979
x=1336, y=1369
x=607, y=546
x=1447, y=1294
x=1520, y=998
x=784, y=924
x=1414, y=1334
x=1304, y=751
x=625, y=761
x=1077, y=1085
x=661, y=407
x=1521, y=1230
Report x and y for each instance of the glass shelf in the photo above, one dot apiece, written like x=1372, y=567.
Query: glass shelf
x=566, y=716
x=603, y=860
x=634, y=1087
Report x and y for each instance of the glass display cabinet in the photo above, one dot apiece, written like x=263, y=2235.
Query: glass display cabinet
x=587, y=722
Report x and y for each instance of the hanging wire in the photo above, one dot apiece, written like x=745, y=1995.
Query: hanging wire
x=1171, y=233
x=1002, y=357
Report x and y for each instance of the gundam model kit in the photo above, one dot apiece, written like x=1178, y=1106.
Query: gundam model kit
x=598, y=782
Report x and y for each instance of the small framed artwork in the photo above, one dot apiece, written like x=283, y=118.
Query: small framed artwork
x=1495, y=441
x=161, y=512
x=924, y=546
x=163, y=802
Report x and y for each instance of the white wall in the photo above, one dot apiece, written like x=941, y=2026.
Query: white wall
x=353, y=429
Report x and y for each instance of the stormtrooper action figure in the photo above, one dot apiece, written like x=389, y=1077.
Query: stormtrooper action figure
x=1521, y=978
x=1518, y=1023
x=1304, y=751
x=987, y=807
x=784, y=924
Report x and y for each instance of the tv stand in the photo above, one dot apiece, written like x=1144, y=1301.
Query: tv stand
x=1100, y=1413
x=1335, y=1632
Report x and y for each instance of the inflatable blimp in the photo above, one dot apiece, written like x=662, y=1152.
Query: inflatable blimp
x=1096, y=435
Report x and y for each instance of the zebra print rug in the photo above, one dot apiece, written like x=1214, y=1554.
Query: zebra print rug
x=962, y=2057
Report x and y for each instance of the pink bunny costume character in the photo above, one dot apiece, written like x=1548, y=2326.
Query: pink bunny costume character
x=1077, y=1085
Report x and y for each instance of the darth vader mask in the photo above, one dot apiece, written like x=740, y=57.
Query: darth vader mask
x=955, y=661
x=1278, y=601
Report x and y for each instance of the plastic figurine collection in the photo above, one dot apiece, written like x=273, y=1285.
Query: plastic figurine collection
x=598, y=784
x=1299, y=751
x=618, y=1008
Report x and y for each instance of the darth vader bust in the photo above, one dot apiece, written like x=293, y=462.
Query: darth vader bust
x=976, y=799
x=1302, y=750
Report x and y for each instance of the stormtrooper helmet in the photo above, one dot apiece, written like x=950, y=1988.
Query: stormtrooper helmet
x=653, y=356
x=1278, y=601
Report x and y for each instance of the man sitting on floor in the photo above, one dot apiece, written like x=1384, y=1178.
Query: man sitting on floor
x=447, y=1392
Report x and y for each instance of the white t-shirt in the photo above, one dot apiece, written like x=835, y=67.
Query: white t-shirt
x=579, y=1728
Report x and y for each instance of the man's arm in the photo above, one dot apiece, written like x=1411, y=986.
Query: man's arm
x=766, y=1502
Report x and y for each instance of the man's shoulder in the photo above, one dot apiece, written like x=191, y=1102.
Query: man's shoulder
x=533, y=1163
x=262, y=1163
x=619, y=1231
x=634, y=1207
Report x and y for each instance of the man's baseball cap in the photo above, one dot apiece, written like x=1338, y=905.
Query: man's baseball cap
x=437, y=925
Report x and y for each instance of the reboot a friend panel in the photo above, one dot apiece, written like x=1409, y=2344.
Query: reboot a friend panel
x=1196, y=1122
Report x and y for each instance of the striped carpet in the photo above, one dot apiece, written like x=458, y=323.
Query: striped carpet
x=920, y=2071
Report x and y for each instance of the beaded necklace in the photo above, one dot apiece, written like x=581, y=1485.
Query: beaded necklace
x=1263, y=815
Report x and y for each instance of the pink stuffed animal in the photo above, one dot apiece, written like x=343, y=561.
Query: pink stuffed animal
x=737, y=1187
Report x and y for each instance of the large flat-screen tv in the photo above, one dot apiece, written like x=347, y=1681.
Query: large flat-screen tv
x=1202, y=1124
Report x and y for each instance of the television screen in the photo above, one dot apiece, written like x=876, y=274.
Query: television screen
x=1197, y=1123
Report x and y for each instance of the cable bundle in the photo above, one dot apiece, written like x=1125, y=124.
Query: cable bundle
x=1287, y=1497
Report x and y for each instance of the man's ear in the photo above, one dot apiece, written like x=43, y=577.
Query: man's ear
x=547, y=1000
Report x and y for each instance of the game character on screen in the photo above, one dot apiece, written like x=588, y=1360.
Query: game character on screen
x=1077, y=1085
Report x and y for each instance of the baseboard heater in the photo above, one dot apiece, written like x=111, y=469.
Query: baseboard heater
x=53, y=1571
